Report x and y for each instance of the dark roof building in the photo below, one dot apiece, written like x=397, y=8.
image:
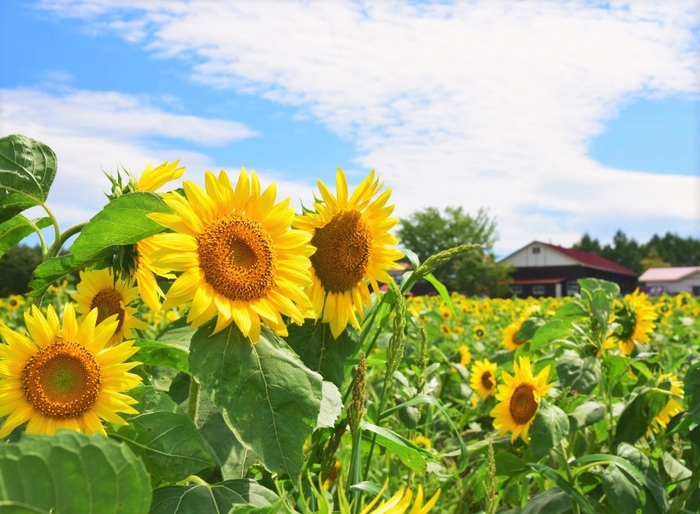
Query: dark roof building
x=543, y=269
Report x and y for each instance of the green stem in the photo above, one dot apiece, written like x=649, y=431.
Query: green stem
x=194, y=397
x=355, y=469
x=561, y=450
x=42, y=240
x=62, y=238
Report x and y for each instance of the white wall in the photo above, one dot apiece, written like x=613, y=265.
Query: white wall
x=546, y=256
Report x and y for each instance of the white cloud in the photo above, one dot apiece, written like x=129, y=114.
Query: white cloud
x=92, y=132
x=489, y=103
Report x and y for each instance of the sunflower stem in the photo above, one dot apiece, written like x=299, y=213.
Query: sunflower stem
x=194, y=397
x=561, y=450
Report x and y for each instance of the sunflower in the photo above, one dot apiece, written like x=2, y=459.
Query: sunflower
x=352, y=240
x=238, y=257
x=482, y=378
x=465, y=356
x=479, y=331
x=672, y=407
x=519, y=399
x=401, y=501
x=152, y=179
x=445, y=329
x=509, y=340
x=64, y=377
x=636, y=316
x=99, y=289
x=145, y=274
x=14, y=302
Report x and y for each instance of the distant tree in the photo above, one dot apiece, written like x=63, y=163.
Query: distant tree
x=675, y=250
x=587, y=244
x=653, y=260
x=476, y=272
x=16, y=268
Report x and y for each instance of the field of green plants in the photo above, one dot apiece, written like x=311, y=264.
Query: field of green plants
x=210, y=350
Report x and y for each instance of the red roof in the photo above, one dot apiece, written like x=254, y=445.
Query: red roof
x=592, y=260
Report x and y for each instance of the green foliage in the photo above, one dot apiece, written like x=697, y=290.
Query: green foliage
x=16, y=267
x=476, y=272
x=221, y=497
x=266, y=394
x=71, y=473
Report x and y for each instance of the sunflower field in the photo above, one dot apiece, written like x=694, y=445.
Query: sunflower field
x=210, y=349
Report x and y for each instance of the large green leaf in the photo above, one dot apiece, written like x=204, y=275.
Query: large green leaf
x=164, y=437
x=551, y=425
x=267, y=395
x=71, y=473
x=234, y=459
x=410, y=454
x=14, y=230
x=205, y=498
x=637, y=416
x=691, y=387
x=315, y=345
x=27, y=170
x=554, y=330
x=551, y=501
x=586, y=414
x=58, y=267
x=582, y=375
x=123, y=221
x=156, y=353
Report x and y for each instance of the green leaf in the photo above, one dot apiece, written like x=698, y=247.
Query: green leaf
x=528, y=328
x=410, y=454
x=164, y=437
x=591, y=285
x=656, y=501
x=551, y=501
x=123, y=221
x=27, y=170
x=550, y=426
x=70, y=472
x=622, y=493
x=580, y=374
x=691, y=388
x=573, y=493
x=508, y=464
x=553, y=330
x=156, y=353
x=331, y=405
x=196, y=499
x=58, y=267
x=586, y=414
x=267, y=395
x=318, y=350
x=676, y=471
x=571, y=311
x=638, y=414
x=234, y=459
x=16, y=229
x=178, y=333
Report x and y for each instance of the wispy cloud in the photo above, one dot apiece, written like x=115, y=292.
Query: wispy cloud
x=92, y=132
x=488, y=103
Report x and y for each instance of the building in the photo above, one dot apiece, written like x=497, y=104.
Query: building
x=543, y=269
x=671, y=280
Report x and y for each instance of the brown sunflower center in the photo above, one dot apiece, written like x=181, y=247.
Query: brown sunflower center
x=523, y=404
x=108, y=302
x=237, y=257
x=343, y=248
x=61, y=380
x=487, y=380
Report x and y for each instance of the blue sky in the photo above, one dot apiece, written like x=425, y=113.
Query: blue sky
x=559, y=118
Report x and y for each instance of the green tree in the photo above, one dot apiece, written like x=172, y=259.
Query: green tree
x=653, y=260
x=16, y=268
x=475, y=272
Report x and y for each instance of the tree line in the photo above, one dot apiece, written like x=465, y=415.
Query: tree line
x=427, y=232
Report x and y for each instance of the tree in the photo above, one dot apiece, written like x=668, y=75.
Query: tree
x=653, y=260
x=475, y=272
x=16, y=268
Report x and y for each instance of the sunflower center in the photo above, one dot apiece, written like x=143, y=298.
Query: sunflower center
x=486, y=380
x=237, y=257
x=523, y=404
x=61, y=380
x=343, y=248
x=108, y=302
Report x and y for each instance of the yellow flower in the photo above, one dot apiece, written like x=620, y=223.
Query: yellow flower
x=423, y=441
x=519, y=399
x=14, y=302
x=509, y=336
x=98, y=289
x=636, y=316
x=352, y=240
x=238, y=257
x=145, y=274
x=465, y=356
x=482, y=378
x=445, y=312
x=672, y=407
x=479, y=331
x=445, y=329
x=153, y=179
x=64, y=377
x=401, y=501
